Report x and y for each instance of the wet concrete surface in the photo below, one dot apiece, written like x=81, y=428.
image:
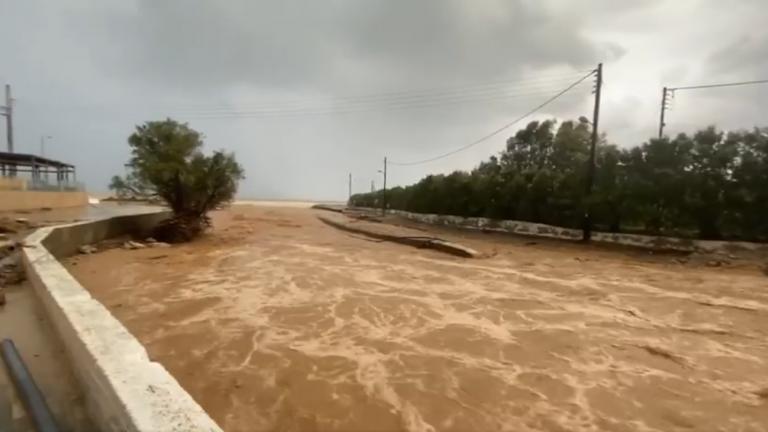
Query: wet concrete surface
x=277, y=322
x=74, y=214
x=23, y=321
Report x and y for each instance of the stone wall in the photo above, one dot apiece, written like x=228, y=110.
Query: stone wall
x=550, y=231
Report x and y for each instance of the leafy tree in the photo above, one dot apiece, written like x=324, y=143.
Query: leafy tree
x=747, y=199
x=168, y=162
x=709, y=185
x=130, y=188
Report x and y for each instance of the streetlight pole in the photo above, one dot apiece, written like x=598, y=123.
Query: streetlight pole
x=42, y=144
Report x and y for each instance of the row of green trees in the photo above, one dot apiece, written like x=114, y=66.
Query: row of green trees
x=710, y=185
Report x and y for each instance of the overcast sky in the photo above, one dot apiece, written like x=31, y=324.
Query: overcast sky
x=306, y=91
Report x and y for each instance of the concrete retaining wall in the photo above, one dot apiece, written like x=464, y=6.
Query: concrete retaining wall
x=31, y=200
x=542, y=230
x=125, y=390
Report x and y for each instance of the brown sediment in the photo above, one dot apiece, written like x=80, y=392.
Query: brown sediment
x=277, y=322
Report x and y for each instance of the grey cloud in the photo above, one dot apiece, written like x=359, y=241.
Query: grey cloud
x=87, y=71
x=747, y=55
x=200, y=43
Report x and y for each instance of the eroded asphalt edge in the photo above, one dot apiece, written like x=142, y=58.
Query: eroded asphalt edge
x=419, y=242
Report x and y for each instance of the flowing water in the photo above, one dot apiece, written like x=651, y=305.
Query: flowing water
x=277, y=322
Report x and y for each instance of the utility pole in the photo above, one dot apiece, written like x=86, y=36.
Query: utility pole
x=384, y=191
x=8, y=113
x=664, y=93
x=587, y=222
x=349, y=193
x=668, y=94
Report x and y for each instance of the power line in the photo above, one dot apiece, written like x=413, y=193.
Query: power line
x=502, y=128
x=448, y=98
x=733, y=84
x=406, y=95
x=415, y=95
x=365, y=108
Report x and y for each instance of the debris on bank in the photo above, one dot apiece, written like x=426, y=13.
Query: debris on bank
x=11, y=271
x=87, y=249
x=121, y=243
x=15, y=225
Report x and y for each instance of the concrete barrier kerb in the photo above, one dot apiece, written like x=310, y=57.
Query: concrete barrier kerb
x=124, y=388
x=430, y=243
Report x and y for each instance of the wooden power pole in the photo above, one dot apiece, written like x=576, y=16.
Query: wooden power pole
x=587, y=222
x=664, y=93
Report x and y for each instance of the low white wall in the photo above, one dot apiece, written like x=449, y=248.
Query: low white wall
x=32, y=200
x=125, y=390
x=542, y=230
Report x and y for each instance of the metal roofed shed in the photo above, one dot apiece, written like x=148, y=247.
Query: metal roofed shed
x=37, y=170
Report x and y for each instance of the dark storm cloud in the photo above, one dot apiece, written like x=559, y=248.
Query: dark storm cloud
x=747, y=55
x=201, y=43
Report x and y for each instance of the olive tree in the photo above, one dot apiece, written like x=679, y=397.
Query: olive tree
x=167, y=159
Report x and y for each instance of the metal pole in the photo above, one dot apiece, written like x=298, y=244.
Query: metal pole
x=9, y=117
x=663, y=109
x=587, y=222
x=349, y=192
x=28, y=391
x=384, y=191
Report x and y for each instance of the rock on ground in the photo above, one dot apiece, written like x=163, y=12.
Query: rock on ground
x=133, y=245
x=87, y=249
x=11, y=271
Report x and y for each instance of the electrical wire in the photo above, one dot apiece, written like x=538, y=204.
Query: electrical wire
x=403, y=96
x=369, y=108
x=499, y=130
x=733, y=84
x=348, y=104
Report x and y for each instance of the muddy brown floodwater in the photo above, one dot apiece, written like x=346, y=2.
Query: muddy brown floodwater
x=277, y=322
